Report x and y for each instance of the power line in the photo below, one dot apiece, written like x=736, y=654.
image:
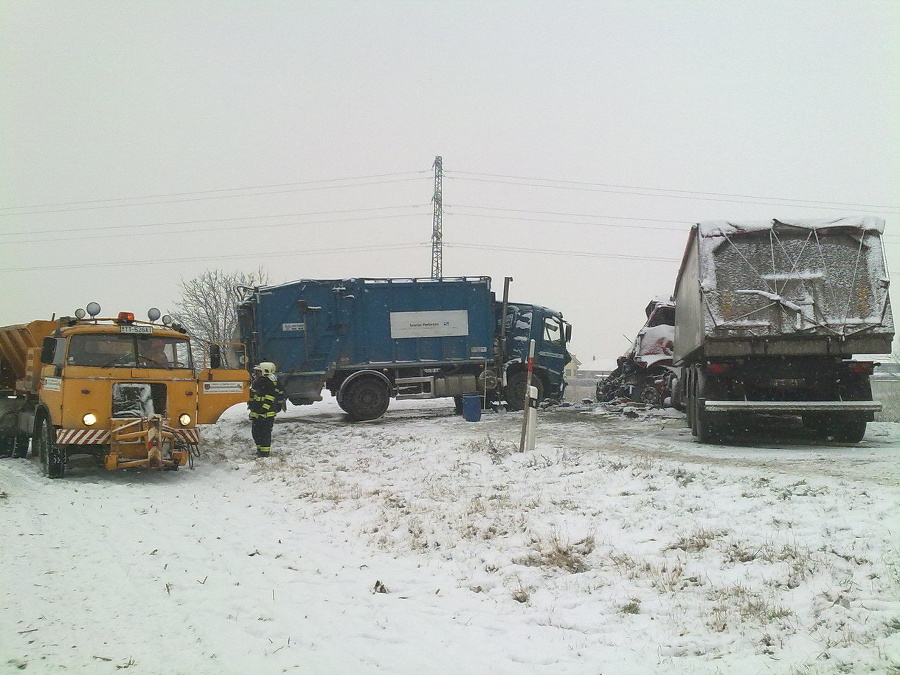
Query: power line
x=131, y=228
x=573, y=215
x=570, y=222
x=682, y=194
x=218, y=229
x=208, y=192
x=586, y=215
x=585, y=254
x=199, y=199
x=238, y=256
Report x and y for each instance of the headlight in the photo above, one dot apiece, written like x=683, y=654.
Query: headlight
x=89, y=420
x=185, y=419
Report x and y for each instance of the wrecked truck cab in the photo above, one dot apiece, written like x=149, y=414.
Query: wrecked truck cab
x=645, y=373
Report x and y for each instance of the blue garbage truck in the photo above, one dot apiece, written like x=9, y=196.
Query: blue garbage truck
x=370, y=340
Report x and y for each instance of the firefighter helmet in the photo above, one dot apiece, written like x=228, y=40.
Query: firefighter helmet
x=266, y=368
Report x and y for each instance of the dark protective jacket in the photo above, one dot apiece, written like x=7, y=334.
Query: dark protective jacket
x=266, y=397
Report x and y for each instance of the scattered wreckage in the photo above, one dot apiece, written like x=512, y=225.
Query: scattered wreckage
x=645, y=373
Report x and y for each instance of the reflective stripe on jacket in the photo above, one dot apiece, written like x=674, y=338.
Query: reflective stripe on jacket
x=265, y=398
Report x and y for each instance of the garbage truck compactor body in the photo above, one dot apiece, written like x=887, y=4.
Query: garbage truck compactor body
x=769, y=316
x=119, y=389
x=367, y=340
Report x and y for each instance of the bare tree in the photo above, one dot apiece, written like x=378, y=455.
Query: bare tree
x=208, y=304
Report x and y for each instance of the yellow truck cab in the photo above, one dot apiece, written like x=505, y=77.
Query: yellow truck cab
x=124, y=390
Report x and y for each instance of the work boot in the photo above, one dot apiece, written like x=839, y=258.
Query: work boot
x=262, y=452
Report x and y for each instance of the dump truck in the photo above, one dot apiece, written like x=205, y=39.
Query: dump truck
x=117, y=388
x=769, y=316
x=370, y=340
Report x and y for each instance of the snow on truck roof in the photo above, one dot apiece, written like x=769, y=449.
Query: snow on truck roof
x=722, y=228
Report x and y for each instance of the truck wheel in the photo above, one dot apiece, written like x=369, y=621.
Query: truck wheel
x=52, y=457
x=515, y=390
x=706, y=430
x=366, y=398
x=650, y=396
x=675, y=385
x=690, y=403
x=849, y=431
x=21, y=446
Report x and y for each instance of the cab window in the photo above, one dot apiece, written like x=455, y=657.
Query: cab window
x=553, y=334
x=102, y=351
x=128, y=351
x=163, y=352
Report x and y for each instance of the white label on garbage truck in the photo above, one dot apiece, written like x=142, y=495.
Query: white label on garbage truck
x=286, y=327
x=438, y=323
x=223, y=387
x=52, y=384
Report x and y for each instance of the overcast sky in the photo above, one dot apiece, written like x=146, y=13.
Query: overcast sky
x=579, y=141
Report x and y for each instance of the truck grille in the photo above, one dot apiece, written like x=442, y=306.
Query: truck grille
x=138, y=399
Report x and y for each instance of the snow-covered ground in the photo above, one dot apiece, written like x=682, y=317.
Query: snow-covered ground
x=422, y=543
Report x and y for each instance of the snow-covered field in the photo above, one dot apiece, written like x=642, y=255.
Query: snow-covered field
x=422, y=543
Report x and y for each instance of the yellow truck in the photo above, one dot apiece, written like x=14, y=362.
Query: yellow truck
x=123, y=390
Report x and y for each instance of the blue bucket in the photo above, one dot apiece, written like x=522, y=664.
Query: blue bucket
x=472, y=407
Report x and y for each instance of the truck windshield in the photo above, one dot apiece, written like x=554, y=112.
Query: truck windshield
x=111, y=350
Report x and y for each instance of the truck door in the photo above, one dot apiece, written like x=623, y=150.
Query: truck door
x=223, y=383
x=551, y=347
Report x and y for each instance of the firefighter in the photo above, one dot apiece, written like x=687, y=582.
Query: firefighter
x=266, y=399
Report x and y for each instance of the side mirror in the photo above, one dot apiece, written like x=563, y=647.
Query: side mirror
x=568, y=333
x=48, y=350
x=215, y=356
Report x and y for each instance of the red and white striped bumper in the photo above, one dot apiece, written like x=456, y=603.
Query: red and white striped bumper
x=191, y=436
x=103, y=436
x=82, y=436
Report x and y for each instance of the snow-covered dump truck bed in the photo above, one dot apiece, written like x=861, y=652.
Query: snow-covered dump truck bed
x=783, y=287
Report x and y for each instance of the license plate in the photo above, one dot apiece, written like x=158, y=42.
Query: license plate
x=788, y=383
x=135, y=329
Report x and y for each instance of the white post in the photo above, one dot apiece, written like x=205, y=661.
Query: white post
x=529, y=414
x=531, y=419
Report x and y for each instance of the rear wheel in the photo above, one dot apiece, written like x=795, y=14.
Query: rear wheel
x=849, y=431
x=706, y=426
x=21, y=446
x=52, y=457
x=366, y=398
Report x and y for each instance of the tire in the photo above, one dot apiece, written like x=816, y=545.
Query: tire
x=707, y=430
x=818, y=424
x=650, y=396
x=848, y=431
x=366, y=398
x=52, y=457
x=690, y=404
x=515, y=390
x=7, y=446
x=677, y=393
x=21, y=446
